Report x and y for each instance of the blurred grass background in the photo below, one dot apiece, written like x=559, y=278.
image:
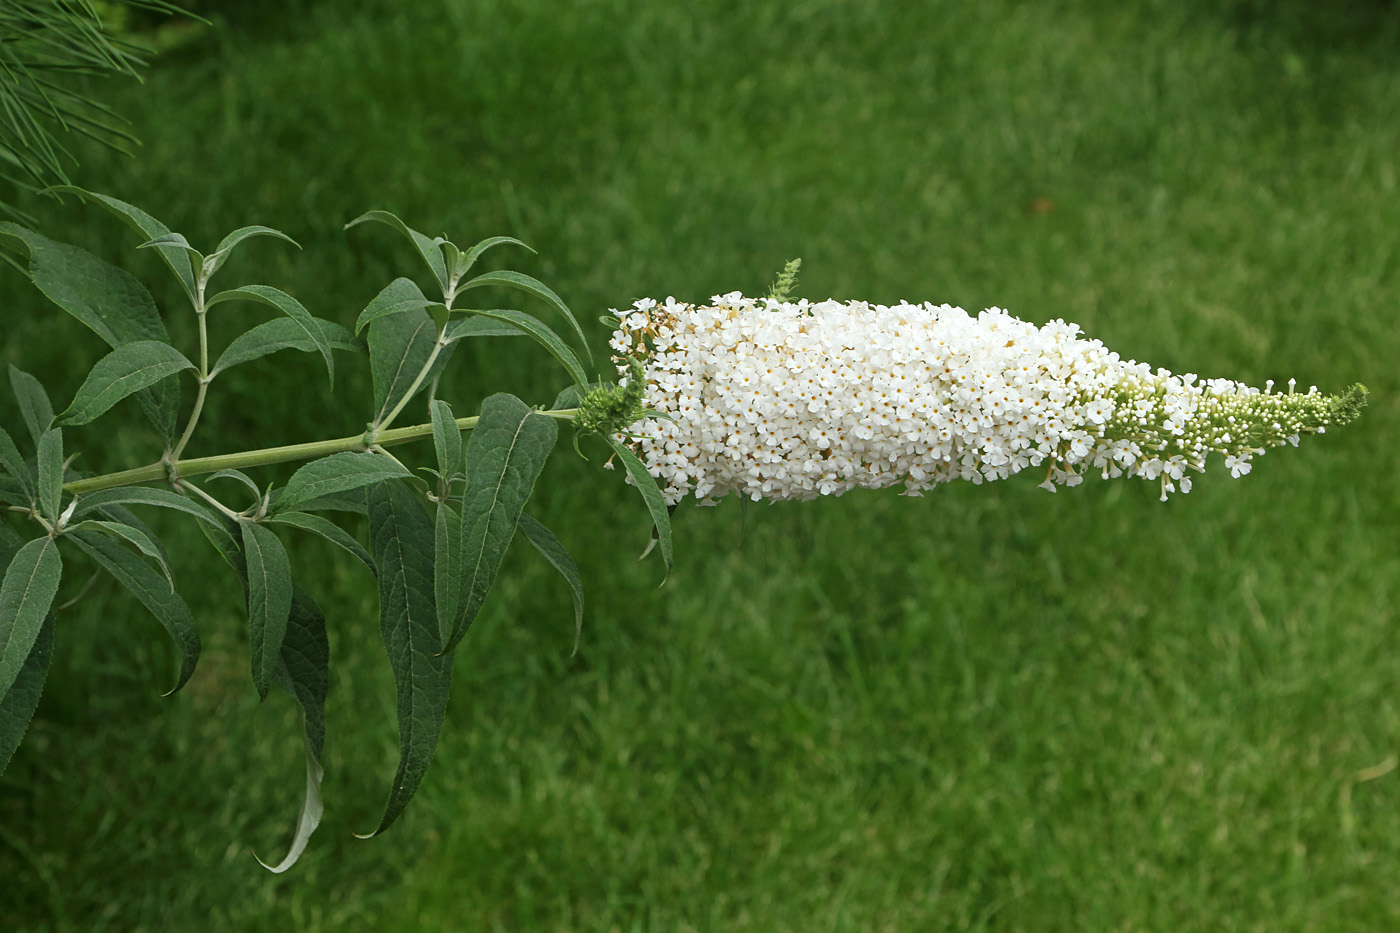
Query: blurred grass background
x=988, y=709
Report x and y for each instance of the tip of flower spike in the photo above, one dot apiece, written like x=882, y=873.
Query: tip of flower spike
x=1350, y=403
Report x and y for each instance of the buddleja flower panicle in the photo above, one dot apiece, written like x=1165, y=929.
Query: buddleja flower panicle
x=792, y=400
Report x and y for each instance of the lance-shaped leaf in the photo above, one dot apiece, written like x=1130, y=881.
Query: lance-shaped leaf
x=464, y=327
x=34, y=405
x=50, y=463
x=126, y=370
x=153, y=592
x=276, y=298
x=18, y=704
x=399, y=348
x=398, y=297
x=447, y=439
x=269, y=600
x=174, y=256
x=240, y=477
x=142, y=495
x=337, y=473
x=214, y=260
x=541, y=333
x=554, y=551
x=651, y=494
x=447, y=567
x=12, y=462
x=507, y=450
x=27, y=592
x=430, y=250
x=282, y=334
x=402, y=542
x=328, y=530
x=531, y=286
x=469, y=258
x=143, y=541
x=303, y=671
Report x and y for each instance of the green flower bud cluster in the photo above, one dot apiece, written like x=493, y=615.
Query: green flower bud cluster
x=607, y=409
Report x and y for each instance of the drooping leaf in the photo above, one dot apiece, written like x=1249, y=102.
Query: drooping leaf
x=30, y=583
x=464, y=327
x=554, y=551
x=399, y=296
x=282, y=334
x=50, y=463
x=12, y=462
x=402, y=543
x=303, y=671
x=214, y=260
x=147, y=225
x=276, y=298
x=328, y=530
x=142, y=495
x=269, y=600
x=447, y=439
x=34, y=403
x=153, y=592
x=127, y=369
x=239, y=476
x=542, y=335
x=399, y=347
x=17, y=706
x=429, y=249
x=531, y=286
x=178, y=241
x=143, y=541
x=504, y=457
x=472, y=255
x=651, y=494
x=337, y=473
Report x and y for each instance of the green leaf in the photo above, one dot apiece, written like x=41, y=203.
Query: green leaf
x=269, y=600
x=465, y=327
x=241, y=477
x=328, y=530
x=531, y=286
x=144, y=542
x=276, y=298
x=447, y=567
x=337, y=473
x=177, y=240
x=447, y=439
x=547, y=338
x=143, y=495
x=352, y=500
x=18, y=705
x=34, y=403
x=127, y=369
x=30, y=583
x=402, y=543
x=558, y=556
x=651, y=494
x=473, y=254
x=399, y=347
x=12, y=493
x=303, y=671
x=398, y=296
x=282, y=334
x=50, y=462
x=144, y=223
x=153, y=592
x=430, y=250
x=12, y=462
x=505, y=455
x=214, y=260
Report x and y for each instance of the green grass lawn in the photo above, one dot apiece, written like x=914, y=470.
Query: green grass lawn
x=987, y=709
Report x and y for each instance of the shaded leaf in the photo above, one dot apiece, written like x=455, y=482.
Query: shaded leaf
x=143, y=495
x=399, y=347
x=269, y=600
x=447, y=439
x=402, y=543
x=651, y=494
x=276, y=298
x=30, y=583
x=17, y=706
x=531, y=286
x=144, y=542
x=430, y=250
x=398, y=296
x=337, y=473
x=507, y=450
x=12, y=462
x=34, y=403
x=241, y=477
x=153, y=592
x=127, y=369
x=50, y=463
x=328, y=530
x=282, y=334
x=558, y=556
x=447, y=567
x=174, y=256
x=542, y=335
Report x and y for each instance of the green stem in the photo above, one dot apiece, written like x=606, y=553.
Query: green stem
x=269, y=455
x=378, y=429
x=199, y=312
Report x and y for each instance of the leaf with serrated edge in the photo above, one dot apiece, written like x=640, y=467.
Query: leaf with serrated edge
x=276, y=298
x=34, y=403
x=398, y=296
x=269, y=600
x=303, y=672
x=402, y=543
x=12, y=462
x=430, y=250
x=127, y=369
x=50, y=463
x=532, y=286
x=651, y=494
x=328, y=530
x=553, y=550
x=507, y=450
x=136, y=536
x=18, y=704
x=282, y=333
x=30, y=584
x=337, y=473
x=142, y=495
x=146, y=585
x=546, y=338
